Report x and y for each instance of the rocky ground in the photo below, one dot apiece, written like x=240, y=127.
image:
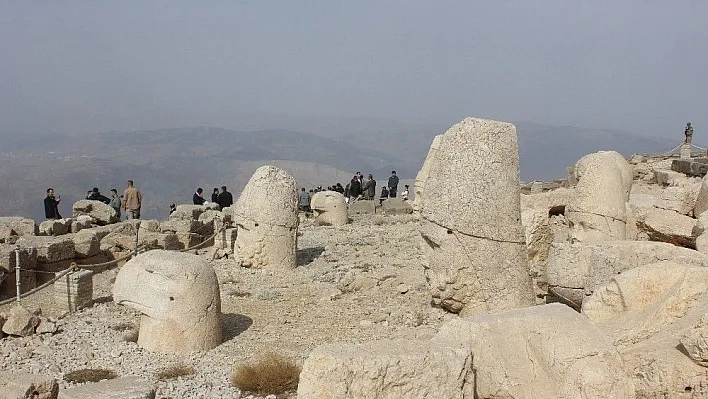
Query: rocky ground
x=356, y=283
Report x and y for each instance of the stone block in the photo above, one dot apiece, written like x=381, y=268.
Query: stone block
x=186, y=212
x=74, y=291
x=101, y=213
x=129, y=387
x=20, y=226
x=691, y=167
x=86, y=244
x=188, y=240
x=396, y=206
x=54, y=227
x=362, y=207
x=49, y=249
x=181, y=226
x=15, y=385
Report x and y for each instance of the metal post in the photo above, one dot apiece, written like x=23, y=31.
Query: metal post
x=18, y=281
x=135, y=245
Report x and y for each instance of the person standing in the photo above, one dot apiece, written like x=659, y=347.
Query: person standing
x=369, y=189
x=688, y=132
x=392, y=184
x=404, y=194
x=115, y=201
x=198, y=197
x=51, y=205
x=225, y=199
x=355, y=187
x=215, y=195
x=132, y=201
x=304, y=201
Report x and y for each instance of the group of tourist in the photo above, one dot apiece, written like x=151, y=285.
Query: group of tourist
x=221, y=197
x=357, y=189
x=129, y=203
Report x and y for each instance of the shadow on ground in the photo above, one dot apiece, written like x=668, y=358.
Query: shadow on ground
x=306, y=256
x=232, y=325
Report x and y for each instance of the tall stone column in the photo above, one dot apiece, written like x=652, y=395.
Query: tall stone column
x=471, y=228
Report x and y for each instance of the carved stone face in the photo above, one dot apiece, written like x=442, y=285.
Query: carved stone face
x=330, y=208
x=178, y=295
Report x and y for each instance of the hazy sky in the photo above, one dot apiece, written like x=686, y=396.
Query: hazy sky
x=85, y=66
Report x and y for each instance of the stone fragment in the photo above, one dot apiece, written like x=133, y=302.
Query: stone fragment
x=16, y=385
x=128, y=387
x=186, y=212
x=575, y=271
x=550, y=201
x=396, y=206
x=541, y=352
x=101, y=213
x=181, y=226
x=387, y=369
x=702, y=198
x=19, y=226
x=474, y=243
x=669, y=178
x=690, y=167
x=329, y=208
x=647, y=311
x=49, y=249
x=86, y=244
x=362, y=207
x=597, y=211
x=666, y=226
x=178, y=296
x=54, y=227
x=150, y=226
x=695, y=341
x=46, y=326
x=20, y=322
x=266, y=214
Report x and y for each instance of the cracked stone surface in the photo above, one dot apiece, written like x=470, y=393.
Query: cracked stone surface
x=178, y=295
x=471, y=230
x=597, y=211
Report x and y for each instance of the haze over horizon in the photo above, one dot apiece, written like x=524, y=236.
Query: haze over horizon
x=83, y=67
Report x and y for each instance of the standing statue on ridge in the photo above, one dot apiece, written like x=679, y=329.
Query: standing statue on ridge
x=688, y=132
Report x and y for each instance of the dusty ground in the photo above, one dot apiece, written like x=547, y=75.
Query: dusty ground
x=355, y=283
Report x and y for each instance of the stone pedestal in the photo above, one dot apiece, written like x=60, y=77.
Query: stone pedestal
x=685, y=152
x=74, y=291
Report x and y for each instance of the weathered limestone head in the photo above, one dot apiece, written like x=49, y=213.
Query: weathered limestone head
x=178, y=295
x=597, y=212
x=266, y=214
x=270, y=197
x=472, y=234
x=330, y=208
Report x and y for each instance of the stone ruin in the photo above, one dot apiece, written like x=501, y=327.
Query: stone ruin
x=471, y=227
x=178, y=296
x=266, y=215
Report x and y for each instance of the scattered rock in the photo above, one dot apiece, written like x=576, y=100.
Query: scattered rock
x=20, y=322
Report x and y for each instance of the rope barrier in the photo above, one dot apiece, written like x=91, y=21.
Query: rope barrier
x=74, y=266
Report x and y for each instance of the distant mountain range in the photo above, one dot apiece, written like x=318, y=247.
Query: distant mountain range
x=168, y=164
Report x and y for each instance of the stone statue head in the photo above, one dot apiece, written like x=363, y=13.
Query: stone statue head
x=329, y=208
x=178, y=296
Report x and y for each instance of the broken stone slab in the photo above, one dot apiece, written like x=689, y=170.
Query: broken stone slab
x=186, y=212
x=49, y=249
x=665, y=226
x=362, y=207
x=128, y=387
x=181, y=226
x=553, y=201
x=396, y=206
x=690, y=167
x=46, y=326
x=86, y=244
x=101, y=213
x=20, y=322
x=575, y=271
x=16, y=385
x=547, y=351
x=387, y=369
x=669, y=178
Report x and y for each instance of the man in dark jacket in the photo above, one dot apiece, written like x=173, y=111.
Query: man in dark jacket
x=225, y=198
x=97, y=196
x=392, y=184
x=51, y=205
x=355, y=187
x=215, y=196
x=369, y=188
x=198, y=198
